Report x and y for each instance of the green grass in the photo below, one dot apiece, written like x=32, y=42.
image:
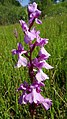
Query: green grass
x=53, y=28
x=10, y=14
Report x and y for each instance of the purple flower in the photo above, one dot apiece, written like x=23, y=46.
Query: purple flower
x=29, y=36
x=22, y=99
x=44, y=53
x=32, y=7
x=41, y=64
x=42, y=57
x=46, y=65
x=37, y=98
x=21, y=60
x=23, y=25
x=37, y=85
x=36, y=63
x=23, y=87
x=33, y=31
x=34, y=97
x=41, y=76
x=31, y=94
x=19, y=50
x=41, y=41
x=33, y=13
x=47, y=103
x=38, y=21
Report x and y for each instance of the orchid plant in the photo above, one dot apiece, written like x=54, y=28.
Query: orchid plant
x=31, y=93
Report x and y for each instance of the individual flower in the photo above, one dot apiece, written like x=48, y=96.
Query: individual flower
x=19, y=50
x=37, y=98
x=23, y=87
x=34, y=13
x=31, y=94
x=41, y=76
x=22, y=61
x=37, y=64
x=37, y=84
x=34, y=97
x=30, y=35
x=23, y=25
x=32, y=7
x=35, y=32
x=34, y=16
x=41, y=41
x=42, y=57
x=47, y=103
x=44, y=53
x=46, y=65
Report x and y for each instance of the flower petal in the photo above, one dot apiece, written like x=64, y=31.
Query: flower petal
x=44, y=52
x=41, y=76
x=21, y=62
x=14, y=51
x=34, y=97
x=22, y=99
x=23, y=25
x=46, y=65
x=47, y=103
x=38, y=21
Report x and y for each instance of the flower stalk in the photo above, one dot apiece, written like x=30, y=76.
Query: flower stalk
x=31, y=92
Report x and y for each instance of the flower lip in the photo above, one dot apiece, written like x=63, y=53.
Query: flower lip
x=41, y=76
x=46, y=65
x=44, y=53
x=47, y=103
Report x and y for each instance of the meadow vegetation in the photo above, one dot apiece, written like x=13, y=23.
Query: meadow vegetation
x=11, y=13
x=54, y=28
